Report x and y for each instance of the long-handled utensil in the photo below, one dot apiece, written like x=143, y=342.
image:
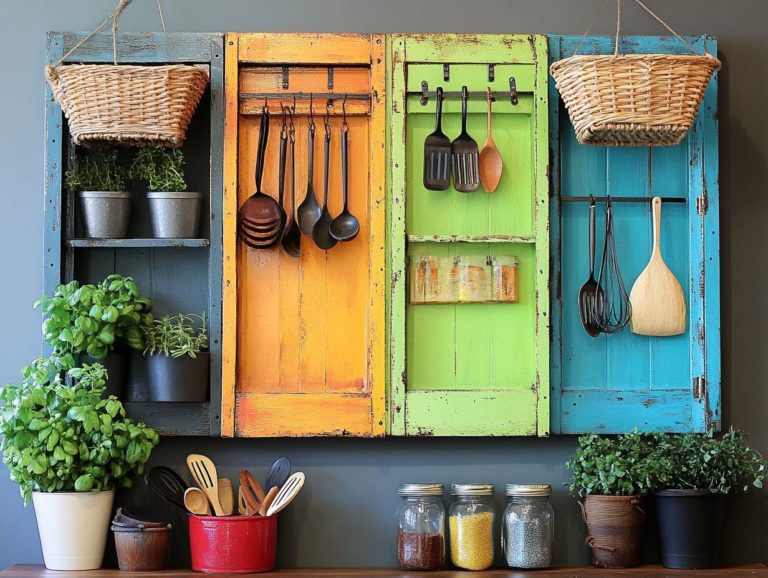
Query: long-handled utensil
x=168, y=485
x=242, y=505
x=204, y=473
x=321, y=232
x=268, y=499
x=437, y=152
x=226, y=496
x=658, y=302
x=287, y=493
x=490, y=158
x=291, y=240
x=196, y=502
x=613, y=313
x=309, y=211
x=279, y=472
x=591, y=293
x=252, y=500
x=464, y=154
x=345, y=226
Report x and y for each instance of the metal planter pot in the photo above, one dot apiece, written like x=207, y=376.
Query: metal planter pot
x=106, y=214
x=179, y=379
x=117, y=363
x=175, y=215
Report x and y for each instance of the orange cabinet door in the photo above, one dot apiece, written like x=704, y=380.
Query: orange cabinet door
x=303, y=338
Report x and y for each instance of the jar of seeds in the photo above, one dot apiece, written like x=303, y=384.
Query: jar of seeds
x=527, y=527
x=421, y=527
x=471, y=520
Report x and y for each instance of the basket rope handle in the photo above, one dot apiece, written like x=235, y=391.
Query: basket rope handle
x=618, y=27
x=114, y=16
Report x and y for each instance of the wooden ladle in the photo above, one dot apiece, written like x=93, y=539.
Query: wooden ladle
x=490, y=158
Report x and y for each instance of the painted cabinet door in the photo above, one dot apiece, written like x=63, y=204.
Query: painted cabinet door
x=613, y=383
x=461, y=363
x=303, y=349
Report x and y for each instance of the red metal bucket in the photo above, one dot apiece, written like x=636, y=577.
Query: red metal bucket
x=233, y=544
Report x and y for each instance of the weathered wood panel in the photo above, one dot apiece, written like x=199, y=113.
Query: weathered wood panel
x=306, y=48
x=309, y=331
x=613, y=383
x=470, y=368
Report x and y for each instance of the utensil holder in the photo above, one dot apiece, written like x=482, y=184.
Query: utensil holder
x=233, y=544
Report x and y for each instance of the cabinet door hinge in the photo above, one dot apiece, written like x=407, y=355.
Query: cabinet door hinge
x=699, y=388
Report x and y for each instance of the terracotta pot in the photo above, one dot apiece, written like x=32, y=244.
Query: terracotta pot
x=614, y=524
x=73, y=528
x=141, y=549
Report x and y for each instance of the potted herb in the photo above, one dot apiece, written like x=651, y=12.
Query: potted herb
x=96, y=322
x=98, y=178
x=693, y=475
x=610, y=477
x=178, y=360
x=68, y=449
x=175, y=212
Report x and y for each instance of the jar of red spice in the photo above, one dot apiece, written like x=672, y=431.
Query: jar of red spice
x=421, y=527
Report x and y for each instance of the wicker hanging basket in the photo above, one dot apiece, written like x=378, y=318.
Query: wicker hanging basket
x=633, y=99
x=127, y=104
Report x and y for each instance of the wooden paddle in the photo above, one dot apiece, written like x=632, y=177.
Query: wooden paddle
x=658, y=302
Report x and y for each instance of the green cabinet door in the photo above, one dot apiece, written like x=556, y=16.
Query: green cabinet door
x=465, y=362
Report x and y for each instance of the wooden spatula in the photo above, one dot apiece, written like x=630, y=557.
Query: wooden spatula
x=287, y=493
x=658, y=302
x=204, y=473
x=226, y=496
x=268, y=499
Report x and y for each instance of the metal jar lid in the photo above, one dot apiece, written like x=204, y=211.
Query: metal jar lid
x=472, y=489
x=528, y=489
x=420, y=490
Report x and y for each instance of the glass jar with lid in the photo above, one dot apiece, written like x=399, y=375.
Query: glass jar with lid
x=421, y=527
x=471, y=520
x=528, y=526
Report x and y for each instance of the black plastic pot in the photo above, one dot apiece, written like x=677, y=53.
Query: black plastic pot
x=117, y=364
x=690, y=528
x=178, y=378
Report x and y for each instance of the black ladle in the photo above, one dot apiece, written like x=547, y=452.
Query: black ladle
x=345, y=226
x=292, y=234
x=591, y=295
x=321, y=233
x=309, y=211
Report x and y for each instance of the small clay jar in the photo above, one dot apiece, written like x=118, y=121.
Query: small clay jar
x=141, y=549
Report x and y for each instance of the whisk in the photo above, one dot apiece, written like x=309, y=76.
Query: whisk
x=612, y=312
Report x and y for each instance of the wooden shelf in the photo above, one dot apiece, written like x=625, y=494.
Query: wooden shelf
x=35, y=571
x=470, y=239
x=172, y=419
x=135, y=243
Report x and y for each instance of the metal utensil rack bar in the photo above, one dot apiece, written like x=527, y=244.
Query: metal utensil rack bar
x=621, y=199
x=495, y=95
x=305, y=95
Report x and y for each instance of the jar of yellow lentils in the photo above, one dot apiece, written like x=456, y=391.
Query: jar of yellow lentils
x=471, y=520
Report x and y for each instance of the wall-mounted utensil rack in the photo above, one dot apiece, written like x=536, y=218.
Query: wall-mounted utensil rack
x=471, y=95
x=621, y=199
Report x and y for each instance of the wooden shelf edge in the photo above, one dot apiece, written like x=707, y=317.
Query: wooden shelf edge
x=135, y=243
x=171, y=418
x=471, y=239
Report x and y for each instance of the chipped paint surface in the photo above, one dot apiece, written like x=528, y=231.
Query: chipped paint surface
x=614, y=383
x=475, y=369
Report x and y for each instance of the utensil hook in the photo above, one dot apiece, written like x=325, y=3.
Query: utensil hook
x=327, y=119
x=291, y=126
x=489, y=94
x=344, y=124
x=284, y=118
x=311, y=112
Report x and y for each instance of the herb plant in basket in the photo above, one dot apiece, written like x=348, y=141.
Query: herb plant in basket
x=68, y=448
x=178, y=360
x=98, y=178
x=96, y=322
x=610, y=476
x=693, y=474
x=175, y=212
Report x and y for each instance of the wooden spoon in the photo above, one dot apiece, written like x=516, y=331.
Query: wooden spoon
x=204, y=473
x=269, y=498
x=226, y=496
x=490, y=158
x=196, y=502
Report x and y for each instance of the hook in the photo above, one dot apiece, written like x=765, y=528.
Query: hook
x=592, y=200
x=311, y=112
x=284, y=127
x=344, y=124
x=291, y=126
x=489, y=93
x=327, y=120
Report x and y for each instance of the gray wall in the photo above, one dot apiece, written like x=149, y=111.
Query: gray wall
x=345, y=516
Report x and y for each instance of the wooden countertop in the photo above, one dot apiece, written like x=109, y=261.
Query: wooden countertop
x=35, y=571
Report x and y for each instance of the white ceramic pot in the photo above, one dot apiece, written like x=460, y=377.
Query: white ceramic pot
x=73, y=528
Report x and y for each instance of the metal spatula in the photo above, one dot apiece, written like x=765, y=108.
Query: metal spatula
x=437, y=153
x=466, y=176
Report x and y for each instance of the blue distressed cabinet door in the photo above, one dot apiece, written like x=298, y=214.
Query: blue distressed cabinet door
x=613, y=383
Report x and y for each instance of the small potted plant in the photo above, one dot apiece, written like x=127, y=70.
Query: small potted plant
x=68, y=448
x=178, y=360
x=96, y=323
x=174, y=211
x=693, y=475
x=98, y=178
x=610, y=477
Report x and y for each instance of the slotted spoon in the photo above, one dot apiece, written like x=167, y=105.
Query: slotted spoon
x=287, y=493
x=204, y=473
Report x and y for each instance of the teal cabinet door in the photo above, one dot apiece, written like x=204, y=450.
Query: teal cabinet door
x=613, y=383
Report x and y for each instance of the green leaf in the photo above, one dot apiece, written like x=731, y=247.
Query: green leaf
x=84, y=483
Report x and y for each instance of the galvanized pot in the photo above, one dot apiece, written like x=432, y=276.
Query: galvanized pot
x=106, y=214
x=175, y=215
x=179, y=379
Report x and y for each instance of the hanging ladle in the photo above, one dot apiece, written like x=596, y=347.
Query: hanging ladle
x=345, y=226
x=321, y=232
x=309, y=211
x=292, y=234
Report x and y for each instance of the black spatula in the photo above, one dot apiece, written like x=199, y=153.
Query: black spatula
x=437, y=153
x=466, y=176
